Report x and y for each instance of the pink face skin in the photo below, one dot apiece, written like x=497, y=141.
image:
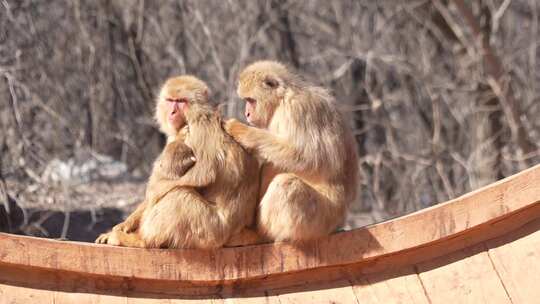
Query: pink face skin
x=250, y=109
x=175, y=112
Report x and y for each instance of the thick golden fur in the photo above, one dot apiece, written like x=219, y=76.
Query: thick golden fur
x=310, y=174
x=203, y=207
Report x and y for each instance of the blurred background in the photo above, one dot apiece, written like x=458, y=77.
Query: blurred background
x=443, y=96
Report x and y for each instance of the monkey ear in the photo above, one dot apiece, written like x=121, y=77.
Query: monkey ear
x=271, y=82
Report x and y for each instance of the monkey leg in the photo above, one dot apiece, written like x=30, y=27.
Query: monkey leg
x=244, y=238
x=131, y=223
x=184, y=219
x=292, y=210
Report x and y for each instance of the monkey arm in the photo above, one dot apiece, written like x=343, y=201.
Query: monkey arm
x=270, y=147
x=202, y=136
x=277, y=151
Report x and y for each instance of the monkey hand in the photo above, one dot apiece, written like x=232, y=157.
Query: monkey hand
x=108, y=238
x=240, y=132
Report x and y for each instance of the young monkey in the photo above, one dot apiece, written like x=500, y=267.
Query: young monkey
x=203, y=186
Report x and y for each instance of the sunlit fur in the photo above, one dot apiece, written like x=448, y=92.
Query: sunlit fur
x=214, y=200
x=310, y=174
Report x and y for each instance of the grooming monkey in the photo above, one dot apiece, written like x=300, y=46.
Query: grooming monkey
x=310, y=171
x=203, y=187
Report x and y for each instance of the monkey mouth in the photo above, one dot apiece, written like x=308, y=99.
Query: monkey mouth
x=248, y=114
x=175, y=116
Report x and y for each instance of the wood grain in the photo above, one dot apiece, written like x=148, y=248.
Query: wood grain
x=335, y=295
x=15, y=295
x=516, y=258
x=401, y=286
x=466, y=276
x=70, y=298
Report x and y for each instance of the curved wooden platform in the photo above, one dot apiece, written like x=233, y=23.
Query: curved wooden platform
x=483, y=247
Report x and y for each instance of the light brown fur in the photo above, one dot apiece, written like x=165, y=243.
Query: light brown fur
x=205, y=206
x=310, y=175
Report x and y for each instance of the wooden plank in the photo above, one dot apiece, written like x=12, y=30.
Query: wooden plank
x=133, y=300
x=22, y=295
x=402, y=286
x=166, y=300
x=76, y=297
x=104, y=299
x=516, y=257
x=337, y=295
x=202, y=300
x=420, y=230
x=466, y=276
x=268, y=299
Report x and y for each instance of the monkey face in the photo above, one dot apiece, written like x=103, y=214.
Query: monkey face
x=262, y=87
x=176, y=108
x=175, y=97
x=170, y=113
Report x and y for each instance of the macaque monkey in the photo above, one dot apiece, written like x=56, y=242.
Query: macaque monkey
x=203, y=187
x=310, y=164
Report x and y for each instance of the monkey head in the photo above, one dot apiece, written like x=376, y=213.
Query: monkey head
x=175, y=97
x=263, y=85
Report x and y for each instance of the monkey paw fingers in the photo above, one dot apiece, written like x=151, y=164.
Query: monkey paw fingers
x=102, y=238
x=235, y=127
x=229, y=124
x=237, y=130
x=109, y=238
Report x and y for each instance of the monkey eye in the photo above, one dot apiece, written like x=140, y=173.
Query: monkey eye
x=271, y=83
x=180, y=100
x=249, y=100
